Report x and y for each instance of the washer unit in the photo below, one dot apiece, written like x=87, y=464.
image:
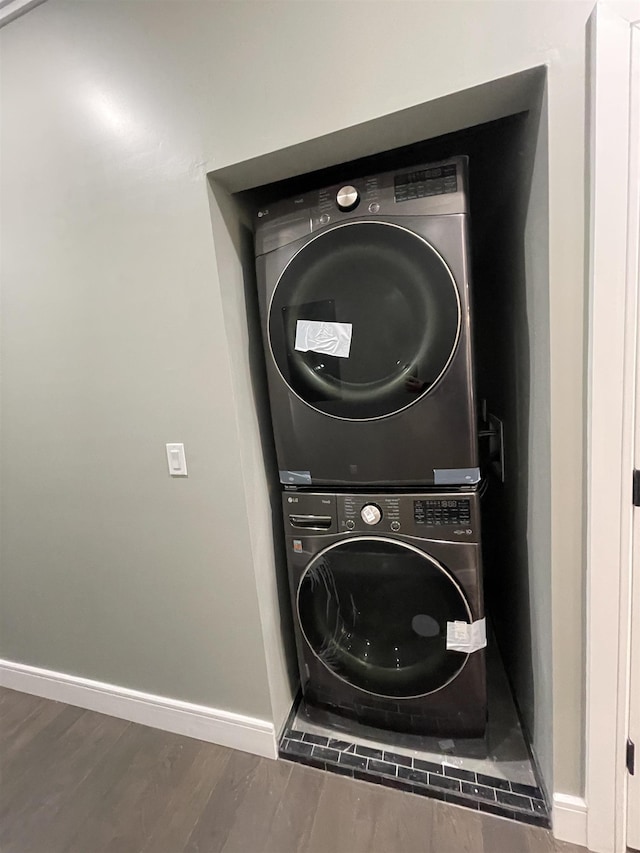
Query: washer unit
x=375, y=580
x=364, y=299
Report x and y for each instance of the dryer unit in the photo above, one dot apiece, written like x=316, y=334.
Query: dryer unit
x=364, y=299
x=381, y=586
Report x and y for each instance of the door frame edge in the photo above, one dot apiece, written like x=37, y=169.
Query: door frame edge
x=611, y=353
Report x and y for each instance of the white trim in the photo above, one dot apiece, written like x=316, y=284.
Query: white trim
x=11, y=9
x=570, y=819
x=173, y=715
x=629, y=712
x=611, y=341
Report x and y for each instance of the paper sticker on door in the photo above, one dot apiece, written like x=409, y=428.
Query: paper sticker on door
x=466, y=636
x=326, y=338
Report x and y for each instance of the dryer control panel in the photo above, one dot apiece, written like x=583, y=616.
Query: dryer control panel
x=421, y=190
x=445, y=517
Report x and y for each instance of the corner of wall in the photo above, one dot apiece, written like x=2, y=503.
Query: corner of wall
x=235, y=263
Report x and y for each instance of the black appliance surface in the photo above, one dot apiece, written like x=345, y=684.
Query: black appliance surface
x=383, y=394
x=375, y=579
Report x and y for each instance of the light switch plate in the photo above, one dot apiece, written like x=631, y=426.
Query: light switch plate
x=176, y=460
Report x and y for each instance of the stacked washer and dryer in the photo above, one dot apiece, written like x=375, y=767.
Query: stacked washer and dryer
x=365, y=309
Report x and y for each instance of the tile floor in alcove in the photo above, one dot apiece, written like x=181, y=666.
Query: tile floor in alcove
x=494, y=774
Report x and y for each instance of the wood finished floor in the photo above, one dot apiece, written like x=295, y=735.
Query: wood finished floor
x=74, y=781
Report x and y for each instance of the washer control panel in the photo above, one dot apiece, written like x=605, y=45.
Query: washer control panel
x=450, y=517
x=444, y=516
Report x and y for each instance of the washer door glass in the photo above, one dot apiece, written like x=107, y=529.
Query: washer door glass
x=364, y=320
x=375, y=613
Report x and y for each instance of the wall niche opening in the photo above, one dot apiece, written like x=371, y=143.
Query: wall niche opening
x=502, y=128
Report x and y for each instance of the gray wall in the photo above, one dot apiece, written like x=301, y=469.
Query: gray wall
x=116, y=328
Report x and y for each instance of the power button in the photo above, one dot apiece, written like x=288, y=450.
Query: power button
x=350, y=524
x=395, y=526
x=371, y=514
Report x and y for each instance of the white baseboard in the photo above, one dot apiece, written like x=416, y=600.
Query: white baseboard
x=570, y=819
x=173, y=715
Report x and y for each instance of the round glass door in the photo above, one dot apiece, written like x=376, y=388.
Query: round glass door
x=375, y=613
x=364, y=320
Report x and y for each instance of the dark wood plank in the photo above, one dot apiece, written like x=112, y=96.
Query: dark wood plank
x=345, y=817
x=34, y=800
x=559, y=846
x=114, y=820
x=24, y=752
x=185, y=803
x=257, y=809
x=16, y=709
x=142, y=804
x=458, y=830
x=219, y=814
x=84, y=812
x=15, y=698
x=403, y=823
x=22, y=729
x=505, y=836
x=292, y=823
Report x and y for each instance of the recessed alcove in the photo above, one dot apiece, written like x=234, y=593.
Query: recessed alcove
x=502, y=126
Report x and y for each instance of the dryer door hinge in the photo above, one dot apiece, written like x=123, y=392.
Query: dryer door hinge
x=636, y=487
x=631, y=757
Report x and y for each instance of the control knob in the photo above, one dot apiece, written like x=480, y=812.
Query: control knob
x=371, y=514
x=347, y=198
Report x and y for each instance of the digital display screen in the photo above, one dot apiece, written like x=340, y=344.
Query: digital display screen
x=426, y=182
x=437, y=512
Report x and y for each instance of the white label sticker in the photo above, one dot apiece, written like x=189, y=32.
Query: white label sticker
x=327, y=338
x=466, y=637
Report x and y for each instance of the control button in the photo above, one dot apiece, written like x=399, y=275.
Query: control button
x=350, y=524
x=374, y=207
x=325, y=219
x=395, y=525
x=347, y=198
x=371, y=514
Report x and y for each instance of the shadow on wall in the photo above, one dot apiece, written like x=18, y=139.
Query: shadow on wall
x=499, y=197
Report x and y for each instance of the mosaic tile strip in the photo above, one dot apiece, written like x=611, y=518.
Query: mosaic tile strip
x=522, y=803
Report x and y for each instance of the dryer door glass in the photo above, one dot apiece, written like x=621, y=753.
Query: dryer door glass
x=364, y=320
x=375, y=613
